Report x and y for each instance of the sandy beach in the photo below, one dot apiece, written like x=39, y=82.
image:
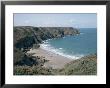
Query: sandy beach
x=55, y=60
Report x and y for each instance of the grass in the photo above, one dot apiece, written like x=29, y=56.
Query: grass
x=84, y=66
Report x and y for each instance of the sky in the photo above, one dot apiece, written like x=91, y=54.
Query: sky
x=77, y=20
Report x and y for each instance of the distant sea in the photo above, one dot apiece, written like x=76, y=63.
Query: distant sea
x=74, y=46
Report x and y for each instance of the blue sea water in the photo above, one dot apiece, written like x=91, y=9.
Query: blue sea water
x=74, y=46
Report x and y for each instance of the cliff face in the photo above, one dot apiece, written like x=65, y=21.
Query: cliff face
x=26, y=36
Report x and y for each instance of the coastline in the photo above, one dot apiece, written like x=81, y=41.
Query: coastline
x=33, y=56
x=55, y=61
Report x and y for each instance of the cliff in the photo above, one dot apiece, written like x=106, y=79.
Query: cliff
x=26, y=36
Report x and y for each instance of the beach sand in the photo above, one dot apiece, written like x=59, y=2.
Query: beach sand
x=55, y=60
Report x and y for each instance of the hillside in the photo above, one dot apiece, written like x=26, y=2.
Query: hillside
x=85, y=66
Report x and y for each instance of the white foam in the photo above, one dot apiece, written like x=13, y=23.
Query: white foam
x=81, y=33
x=60, y=48
x=59, y=51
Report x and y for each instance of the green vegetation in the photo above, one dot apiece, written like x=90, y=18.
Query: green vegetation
x=31, y=70
x=85, y=66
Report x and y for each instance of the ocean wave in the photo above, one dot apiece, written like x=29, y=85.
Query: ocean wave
x=60, y=48
x=81, y=33
x=59, y=51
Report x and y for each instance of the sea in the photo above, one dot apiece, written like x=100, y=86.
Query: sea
x=74, y=47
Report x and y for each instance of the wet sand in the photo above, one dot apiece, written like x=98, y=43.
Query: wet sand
x=55, y=60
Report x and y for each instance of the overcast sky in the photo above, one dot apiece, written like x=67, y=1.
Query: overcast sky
x=56, y=20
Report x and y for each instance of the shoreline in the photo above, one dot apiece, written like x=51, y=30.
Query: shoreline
x=55, y=61
x=51, y=49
